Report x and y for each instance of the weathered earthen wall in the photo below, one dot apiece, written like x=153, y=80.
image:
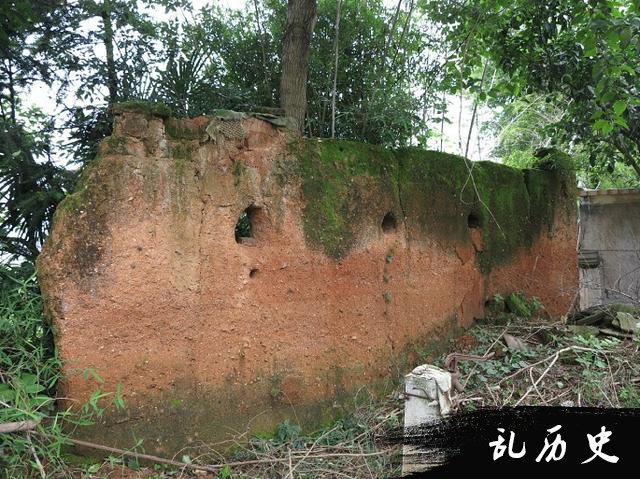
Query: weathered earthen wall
x=146, y=284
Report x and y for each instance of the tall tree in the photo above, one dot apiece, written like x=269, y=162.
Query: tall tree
x=211, y=63
x=36, y=45
x=128, y=35
x=335, y=72
x=301, y=20
x=112, y=79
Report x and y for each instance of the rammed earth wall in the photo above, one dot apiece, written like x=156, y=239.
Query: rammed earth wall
x=360, y=259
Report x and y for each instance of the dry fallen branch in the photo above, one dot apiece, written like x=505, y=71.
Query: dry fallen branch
x=553, y=356
x=215, y=468
x=32, y=449
x=488, y=350
x=309, y=451
x=585, y=371
x=17, y=426
x=533, y=386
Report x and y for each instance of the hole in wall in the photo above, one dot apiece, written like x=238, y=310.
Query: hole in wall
x=253, y=273
x=246, y=226
x=473, y=221
x=389, y=222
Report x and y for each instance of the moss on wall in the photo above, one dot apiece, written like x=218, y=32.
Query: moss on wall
x=101, y=183
x=435, y=194
x=438, y=195
x=178, y=130
x=348, y=187
x=503, y=206
x=329, y=170
x=148, y=108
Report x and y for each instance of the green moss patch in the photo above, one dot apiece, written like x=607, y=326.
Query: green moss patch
x=148, y=108
x=349, y=188
x=177, y=129
x=435, y=195
x=517, y=304
x=439, y=196
x=336, y=178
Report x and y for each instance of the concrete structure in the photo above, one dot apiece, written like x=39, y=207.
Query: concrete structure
x=348, y=264
x=609, y=247
x=427, y=391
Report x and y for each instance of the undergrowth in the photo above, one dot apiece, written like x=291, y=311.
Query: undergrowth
x=29, y=373
x=548, y=362
x=537, y=360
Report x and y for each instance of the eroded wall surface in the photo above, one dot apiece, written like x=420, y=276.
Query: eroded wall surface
x=359, y=257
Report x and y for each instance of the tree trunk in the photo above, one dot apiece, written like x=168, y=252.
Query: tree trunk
x=12, y=93
x=301, y=19
x=379, y=82
x=335, y=71
x=112, y=79
x=266, y=79
x=475, y=111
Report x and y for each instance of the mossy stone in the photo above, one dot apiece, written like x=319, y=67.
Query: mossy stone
x=517, y=304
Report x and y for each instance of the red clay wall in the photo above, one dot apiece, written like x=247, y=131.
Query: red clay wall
x=146, y=284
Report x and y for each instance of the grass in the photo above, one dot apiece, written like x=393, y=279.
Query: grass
x=29, y=373
x=354, y=446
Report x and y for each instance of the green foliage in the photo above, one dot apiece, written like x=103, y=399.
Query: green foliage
x=29, y=373
x=517, y=304
x=506, y=364
x=243, y=227
x=32, y=184
x=382, y=58
x=525, y=125
x=213, y=59
x=225, y=472
x=37, y=40
x=580, y=55
x=568, y=368
x=362, y=429
x=605, y=174
x=594, y=365
x=514, y=305
x=629, y=397
x=287, y=432
x=226, y=59
x=26, y=342
x=534, y=122
x=133, y=35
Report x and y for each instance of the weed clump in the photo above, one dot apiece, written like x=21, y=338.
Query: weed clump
x=29, y=374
